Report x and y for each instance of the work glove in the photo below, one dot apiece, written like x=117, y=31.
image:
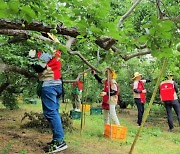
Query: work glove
x=32, y=53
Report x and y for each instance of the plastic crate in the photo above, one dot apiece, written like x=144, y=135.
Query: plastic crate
x=86, y=107
x=95, y=110
x=118, y=132
x=75, y=114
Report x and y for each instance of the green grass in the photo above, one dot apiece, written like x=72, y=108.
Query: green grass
x=154, y=139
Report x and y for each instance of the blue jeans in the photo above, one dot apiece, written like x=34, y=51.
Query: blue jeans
x=140, y=107
x=169, y=105
x=50, y=96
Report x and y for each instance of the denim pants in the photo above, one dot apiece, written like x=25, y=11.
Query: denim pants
x=169, y=105
x=50, y=96
x=140, y=107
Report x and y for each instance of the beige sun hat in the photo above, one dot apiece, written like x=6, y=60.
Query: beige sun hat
x=136, y=74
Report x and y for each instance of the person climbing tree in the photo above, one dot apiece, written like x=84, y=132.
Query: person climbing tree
x=139, y=94
x=48, y=68
x=168, y=94
x=109, y=95
x=77, y=88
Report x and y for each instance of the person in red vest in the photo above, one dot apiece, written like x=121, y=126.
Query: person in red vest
x=77, y=95
x=168, y=94
x=139, y=93
x=109, y=95
x=48, y=67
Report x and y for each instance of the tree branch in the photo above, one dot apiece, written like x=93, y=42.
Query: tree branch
x=23, y=34
x=128, y=13
x=127, y=57
x=40, y=27
x=15, y=69
x=160, y=13
x=68, y=46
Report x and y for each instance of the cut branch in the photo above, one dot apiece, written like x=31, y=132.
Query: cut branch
x=105, y=43
x=68, y=46
x=128, y=13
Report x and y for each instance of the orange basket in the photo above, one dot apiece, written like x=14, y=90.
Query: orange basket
x=118, y=132
x=86, y=107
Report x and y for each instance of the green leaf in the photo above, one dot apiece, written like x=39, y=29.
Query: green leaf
x=14, y=5
x=3, y=5
x=154, y=20
x=29, y=13
x=167, y=25
x=143, y=39
x=3, y=9
x=95, y=30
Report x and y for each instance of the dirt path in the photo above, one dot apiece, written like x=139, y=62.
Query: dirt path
x=14, y=139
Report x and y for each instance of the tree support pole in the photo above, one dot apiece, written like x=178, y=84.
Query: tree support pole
x=150, y=105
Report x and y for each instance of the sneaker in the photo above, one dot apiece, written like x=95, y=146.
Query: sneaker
x=56, y=147
x=52, y=142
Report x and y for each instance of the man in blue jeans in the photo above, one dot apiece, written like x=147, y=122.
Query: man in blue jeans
x=50, y=90
x=168, y=94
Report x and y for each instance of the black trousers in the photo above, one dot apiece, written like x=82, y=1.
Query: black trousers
x=140, y=107
x=176, y=106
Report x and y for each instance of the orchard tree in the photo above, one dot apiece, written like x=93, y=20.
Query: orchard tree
x=92, y=34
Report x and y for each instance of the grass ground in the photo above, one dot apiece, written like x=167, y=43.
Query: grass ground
x=154, y=139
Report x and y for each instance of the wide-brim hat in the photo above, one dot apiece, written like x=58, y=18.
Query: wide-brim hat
x=136, y=74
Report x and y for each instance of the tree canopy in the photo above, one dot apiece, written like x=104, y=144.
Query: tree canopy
x=123, y=34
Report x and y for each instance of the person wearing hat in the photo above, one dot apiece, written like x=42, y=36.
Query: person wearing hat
x=48, y=68
x=168, y=94
x=109, y=95
x=139, y=94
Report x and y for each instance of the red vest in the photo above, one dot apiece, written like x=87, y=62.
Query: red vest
x=105, y=104
x=167, y=91
x=142, y=95
x=54, y=64
x=80, y=85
